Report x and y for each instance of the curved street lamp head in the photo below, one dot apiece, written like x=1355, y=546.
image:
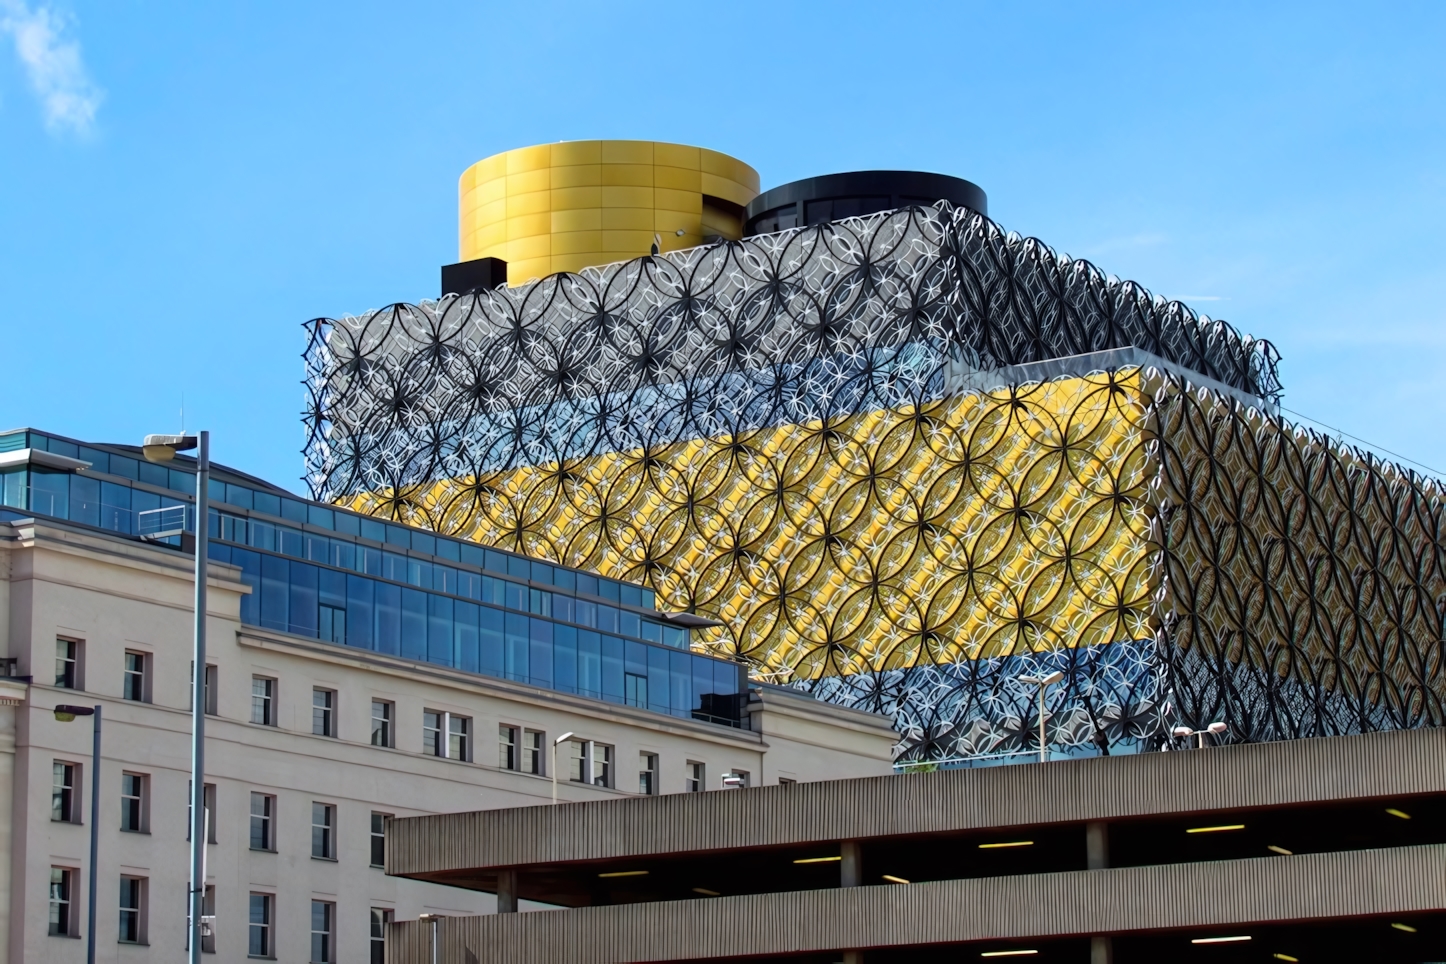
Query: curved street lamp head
x=1049, y=680
x=563, y=739
x=163, y=448
x=1182, y=731
x=66, y=713
x=1217, y=728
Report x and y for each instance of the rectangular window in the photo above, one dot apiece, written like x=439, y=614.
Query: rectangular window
x=263, y=816
x=211, y=689
x=323, y=831
x=694, y=782
x=323, y=914
x=635, y=690
x=432, y=743
x=590, y=763
x=134, y=803
x=133, y=686
x=208, y=919
x=459, y=747
x=62, y=921
x=259, y=937
x=532, y=751
x=263, y=700
x=332, y=626
x=208, y=801
x=735, y=780
x=64, y=802
x=381, y=917
x=379, y=839
x=648, y=773
x=132, y=910
x=323, y=712
x=381, y=723
x=507, y=747
x=67, y=663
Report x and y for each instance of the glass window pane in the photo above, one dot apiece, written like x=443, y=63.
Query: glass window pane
x=439, y=630
x=490, y=630
x=414, y=624
x=518, y=644
x=564, y=658
x=465, y=651
x=541, y=666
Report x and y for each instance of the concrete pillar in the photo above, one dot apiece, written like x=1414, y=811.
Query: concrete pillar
x=506, y=891
x=850, y=869
x=1102, y=950
x=1097, y=844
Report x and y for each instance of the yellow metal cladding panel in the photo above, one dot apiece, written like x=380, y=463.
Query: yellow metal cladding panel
x=570, y=243
x=646, y=188
x=973, y=527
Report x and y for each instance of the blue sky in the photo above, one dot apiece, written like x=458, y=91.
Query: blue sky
x=182, y=185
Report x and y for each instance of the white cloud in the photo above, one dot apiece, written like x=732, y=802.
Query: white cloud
x=52, y=64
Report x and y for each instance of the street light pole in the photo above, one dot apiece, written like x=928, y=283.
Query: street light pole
x=1042, y=682
x=65, y=714
x=163, y=448
x=555, y=743
x=1214, y=729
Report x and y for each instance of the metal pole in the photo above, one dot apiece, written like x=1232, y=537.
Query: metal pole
x=94, y=838
x=554, y=772
x=198, y=702
x=1042, y=756
x=434, y=940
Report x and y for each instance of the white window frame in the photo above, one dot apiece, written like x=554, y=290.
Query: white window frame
x=695, y=778
x=142, y=798
x=444, y=735
x=327, y=813
x=141, y=678
x=388, y=722
x=266, y=707
x=328, y=711
x=142, y=886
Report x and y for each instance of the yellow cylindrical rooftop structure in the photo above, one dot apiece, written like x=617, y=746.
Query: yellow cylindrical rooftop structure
x=565, y=206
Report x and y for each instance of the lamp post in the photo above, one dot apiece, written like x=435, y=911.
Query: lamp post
x=66, y=714
x=1042, y=682
x=555, y=744
x=163, y=448
x=433, y=919
x=1214, y=729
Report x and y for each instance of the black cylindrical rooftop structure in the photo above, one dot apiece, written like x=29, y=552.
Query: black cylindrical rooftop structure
x=829, y=197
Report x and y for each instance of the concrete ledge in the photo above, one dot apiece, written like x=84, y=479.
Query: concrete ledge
x=1239, y=892
x=1331, y=769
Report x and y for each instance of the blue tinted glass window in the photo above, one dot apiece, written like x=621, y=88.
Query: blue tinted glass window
x=422, y=542
x=587, y=583
x=447, y=549
x=469, y=584
x=373, y=530
x=518, y=567
x=541, y=572
x=439, y=630
x=320, y=516
x=250, y=563
x=676, y=637
x=539, y=602
x=542, y=661
x=612, y=669
x=564, y=579
x=143, y=501
x=515, y=595
x=725, y=677
x=636, y=658
x=651, y=631
x=115, y=508
x=414, y=624
x=293, y=511
x=158, y=475
x=175, y=479
x=680, y=701
x=275, y=592
x=444, y=579
x=318, y=548
x=607, y=619
x=215, y=490
x=346, y=523
x=564, y=658
x=496, y=561
x=15, y=488
x=518, y=642
x=659, y=679
x=490, y=628
x=262, y=535
x=630, y=595
x=84, y=500
x=466, y=653
x=290, y=542
x=608, y=589
x=331, y=588
x=419, y=573
x=473, y=555
x=266, y=502
x=238, y=495
x=50, y=493
x=589, y=663
x=125, y=467
x=586, y=612
x=702, y=679
x=343, y=554
x=61, y=447
x=398, y=536
x=303, y=599
x=563, y=607
x=650, y=599
x=389, y=618
x=394, y=567
x=99, y=461
x=360, y=601
x=629, y=623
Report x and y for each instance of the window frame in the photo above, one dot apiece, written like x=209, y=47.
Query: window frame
x=327, y=836
x=378, y=838
x=266, y=903
x=437, y=741
x=328, y=712
x=380, y=918
x=136, y=684
x=533, y=747
x=141, y=887
x=264, y=704
x=61, y=920
x=509, y=743
x=695, y=779
x=72, y=676
x=267, y=822
x=585, y=760
x=388, y=722
x=137, y=804
x=211, y=688
x=327, y=934
x=647, y=773
x=65, y=798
